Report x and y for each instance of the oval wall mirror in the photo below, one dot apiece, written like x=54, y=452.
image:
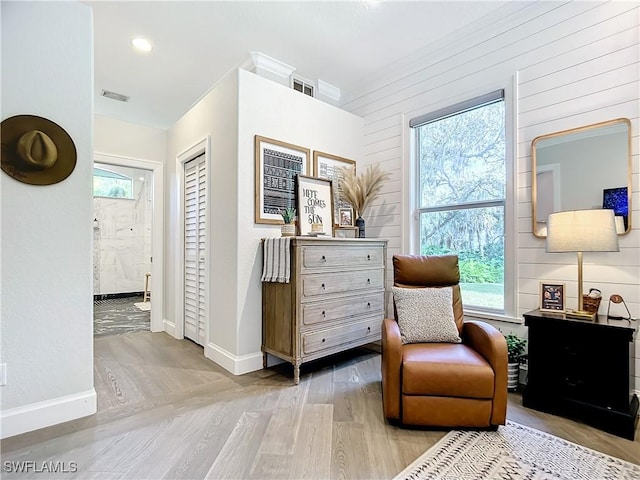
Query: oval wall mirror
x=582, y=168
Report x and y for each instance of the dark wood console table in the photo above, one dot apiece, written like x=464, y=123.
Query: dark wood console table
x=582, y=369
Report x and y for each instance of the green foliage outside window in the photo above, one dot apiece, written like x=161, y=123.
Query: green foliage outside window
x=111, y=184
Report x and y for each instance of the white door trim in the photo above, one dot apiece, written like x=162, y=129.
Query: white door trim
x=157, y=230
x=203, y=146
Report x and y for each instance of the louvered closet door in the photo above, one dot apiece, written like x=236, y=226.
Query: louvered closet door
x=195, y=201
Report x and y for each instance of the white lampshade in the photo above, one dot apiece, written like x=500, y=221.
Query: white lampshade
x=582, y=231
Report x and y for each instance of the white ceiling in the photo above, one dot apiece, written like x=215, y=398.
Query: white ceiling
x=197, y=43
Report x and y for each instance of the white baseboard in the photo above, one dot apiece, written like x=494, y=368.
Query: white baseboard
x=170, y=328
x=235, y=364
x=15, y=421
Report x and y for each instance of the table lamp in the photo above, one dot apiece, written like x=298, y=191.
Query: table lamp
x=582, y=231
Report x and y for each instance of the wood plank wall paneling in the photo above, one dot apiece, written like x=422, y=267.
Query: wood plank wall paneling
x=576, y=63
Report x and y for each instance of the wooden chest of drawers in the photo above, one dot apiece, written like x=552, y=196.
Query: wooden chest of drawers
x=334, y=301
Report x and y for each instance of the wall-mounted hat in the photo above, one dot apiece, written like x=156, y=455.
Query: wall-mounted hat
x=36, y=150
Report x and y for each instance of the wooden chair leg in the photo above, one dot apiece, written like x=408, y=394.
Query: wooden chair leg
x=146, y=287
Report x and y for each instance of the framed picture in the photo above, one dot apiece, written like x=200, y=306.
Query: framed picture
x=315, y=206
x=277, y=164
x=345, y=216
x=345, y=232
x=328, y=166
x=552, y=297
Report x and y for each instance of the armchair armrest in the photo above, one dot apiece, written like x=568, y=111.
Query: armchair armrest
x=490, y=343
x=391, y=368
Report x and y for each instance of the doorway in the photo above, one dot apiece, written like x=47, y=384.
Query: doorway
x=122, y=224
x=129, y=236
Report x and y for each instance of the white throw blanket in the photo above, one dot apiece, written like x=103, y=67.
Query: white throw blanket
x=276, y=260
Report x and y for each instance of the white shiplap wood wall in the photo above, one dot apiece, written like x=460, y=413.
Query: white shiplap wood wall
x=572, y=64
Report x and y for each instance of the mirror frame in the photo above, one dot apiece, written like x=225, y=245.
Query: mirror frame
x=534, y=185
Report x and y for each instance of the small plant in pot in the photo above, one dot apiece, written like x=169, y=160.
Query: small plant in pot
x=515, y=349
x=289, y=227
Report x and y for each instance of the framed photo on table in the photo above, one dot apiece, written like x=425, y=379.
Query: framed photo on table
x=328, y=166
x=346, y=217
x=552, y=297
x=315, y=205
x=277, y=165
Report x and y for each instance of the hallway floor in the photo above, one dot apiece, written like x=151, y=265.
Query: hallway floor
x=116, y=316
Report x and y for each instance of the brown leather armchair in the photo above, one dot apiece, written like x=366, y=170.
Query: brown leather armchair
x=443, y=384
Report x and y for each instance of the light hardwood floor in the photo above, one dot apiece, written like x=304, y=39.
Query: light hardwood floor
x=164, y=411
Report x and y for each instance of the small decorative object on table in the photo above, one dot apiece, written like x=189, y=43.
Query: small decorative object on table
x=615, y=298
x=515, y=349
x=345, y=232
x=317, y=229
x=361, y=190
x=591, y=301
x=552, y=297
x=289, y=227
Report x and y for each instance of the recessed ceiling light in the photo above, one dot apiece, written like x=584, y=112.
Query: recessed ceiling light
x=141, y=44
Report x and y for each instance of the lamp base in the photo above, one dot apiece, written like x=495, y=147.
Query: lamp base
x=581, y=314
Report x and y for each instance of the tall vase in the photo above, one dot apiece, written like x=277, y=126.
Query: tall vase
x=360, y=225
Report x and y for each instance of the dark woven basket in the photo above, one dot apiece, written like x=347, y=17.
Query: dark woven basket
x=589, y=304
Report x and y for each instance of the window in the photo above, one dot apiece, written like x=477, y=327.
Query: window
x=303, y=86
x=111, y=184
x=462, y=185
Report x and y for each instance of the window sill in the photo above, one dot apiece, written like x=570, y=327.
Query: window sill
x=470, y=314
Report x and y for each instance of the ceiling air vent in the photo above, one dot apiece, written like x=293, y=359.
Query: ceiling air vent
x=303, y=86
x=115, y=96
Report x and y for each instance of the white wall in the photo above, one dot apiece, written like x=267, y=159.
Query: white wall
x=216, y=115
x=47, y=308
x=576, y=64
x=129, y=140
x=238, y=108
x=274, y=111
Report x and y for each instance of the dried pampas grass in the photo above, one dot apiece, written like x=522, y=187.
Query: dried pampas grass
x=361, y=190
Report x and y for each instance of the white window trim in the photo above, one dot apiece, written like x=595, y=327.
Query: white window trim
x=410, y=227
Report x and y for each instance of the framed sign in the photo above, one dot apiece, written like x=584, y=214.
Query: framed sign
x=552, y=297
x=328, y=166
x=315, y=206
x=277, y=164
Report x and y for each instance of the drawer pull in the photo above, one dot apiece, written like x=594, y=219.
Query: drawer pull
x=368, y=281
x=369, y=329
x=323, y=340
x=323, y=314
x=323, y=286
x=368, y=257
x=324, y=259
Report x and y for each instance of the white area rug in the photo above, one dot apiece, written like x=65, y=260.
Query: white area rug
x=515, y=452
x=144, y=306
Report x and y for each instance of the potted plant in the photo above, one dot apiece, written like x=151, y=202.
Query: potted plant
x=289, y=227
x=361, y=190
x=515, y=349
